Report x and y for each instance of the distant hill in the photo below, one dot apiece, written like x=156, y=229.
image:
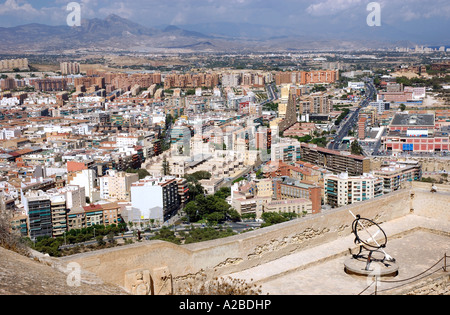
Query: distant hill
x=112, y=32
x=115, y=33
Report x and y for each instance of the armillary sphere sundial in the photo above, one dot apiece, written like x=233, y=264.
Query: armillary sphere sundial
x=372, y=258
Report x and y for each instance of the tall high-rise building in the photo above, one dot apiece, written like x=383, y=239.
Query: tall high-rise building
x=8, y=84
x=155, y=198
x=117, y=185
x=287, y=109
x=59, y=215
x=39, y=210
x=70, y=68
x=317, y=103
x=11, y=64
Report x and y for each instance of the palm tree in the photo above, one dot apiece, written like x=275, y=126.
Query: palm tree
x=165, y=167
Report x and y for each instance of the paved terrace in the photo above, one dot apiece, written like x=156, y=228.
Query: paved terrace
x=304, y=256
x=415, y=242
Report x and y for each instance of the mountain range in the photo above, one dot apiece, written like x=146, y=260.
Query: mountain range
x=115, y=33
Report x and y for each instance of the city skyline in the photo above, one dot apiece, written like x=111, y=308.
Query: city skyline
x=161, y=148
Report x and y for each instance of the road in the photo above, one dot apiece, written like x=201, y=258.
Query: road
x=272, y=96
x=352, y=118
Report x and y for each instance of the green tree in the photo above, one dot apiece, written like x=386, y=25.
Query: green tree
x=110, y=237
x=271, y=218
x=213, y=208
x=100, y=241
x=402, y=107
x=355, y=148
x=165, y=167
x=143, y=173
x=166, y=234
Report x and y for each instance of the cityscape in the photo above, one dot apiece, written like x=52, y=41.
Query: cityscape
x=146, y=157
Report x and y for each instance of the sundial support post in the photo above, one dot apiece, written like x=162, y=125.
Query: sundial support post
x=371, y=250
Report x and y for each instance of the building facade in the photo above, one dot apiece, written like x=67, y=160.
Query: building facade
x=341, y=190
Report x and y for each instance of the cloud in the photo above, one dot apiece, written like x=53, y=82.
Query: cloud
x=13, y=6
x=121, y=9
x=331, y=7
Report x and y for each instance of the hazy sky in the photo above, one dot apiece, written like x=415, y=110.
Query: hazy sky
x=407, y=15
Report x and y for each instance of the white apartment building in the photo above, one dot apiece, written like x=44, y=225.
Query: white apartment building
x=231, y=79
x=75, y=196
x=155, y=198
x=126, y=141
x=87, y=179
x=341, y=190
x=356, y=85
x=6, y=134
x=287, y=150
x=117, y=185
x=381, y=106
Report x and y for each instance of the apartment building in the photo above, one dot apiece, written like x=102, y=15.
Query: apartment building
x=111, y=213
x=11, y=64
x=69, y=68
x=8, y=84
x=289, y=150
x=86, y=178
x=298, y=206
x=394, y=174
x=231, y=80
x=285, y=188
x=307, y=77
x=48, y=212
x=155, y=198
x=342, y=189
x=362, y=127
x=7, y=134
x=48, y=85
x=116, y=185
x=335, y=161
x=59, y=215
x=247, y=204
x=76, y=219
x=191, y=80
x=287, y=110
x=316, y=103
x=93, y=215
x=381, y=106
x=37, y=206
x=267, y=195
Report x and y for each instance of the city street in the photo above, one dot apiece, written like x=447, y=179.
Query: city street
x=352, y=118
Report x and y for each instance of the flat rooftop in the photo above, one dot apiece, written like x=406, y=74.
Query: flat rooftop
x=413, y=120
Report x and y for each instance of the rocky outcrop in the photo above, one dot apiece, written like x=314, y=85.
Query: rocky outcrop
x=20, y=275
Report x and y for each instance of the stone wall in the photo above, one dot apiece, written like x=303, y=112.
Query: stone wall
x=440, y=286
x=431, y=205
x=159, y=267
x=428, y=164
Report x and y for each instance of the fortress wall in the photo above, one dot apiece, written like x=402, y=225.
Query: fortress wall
x=428, y=164
x=431, y=205
x=237, y=253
